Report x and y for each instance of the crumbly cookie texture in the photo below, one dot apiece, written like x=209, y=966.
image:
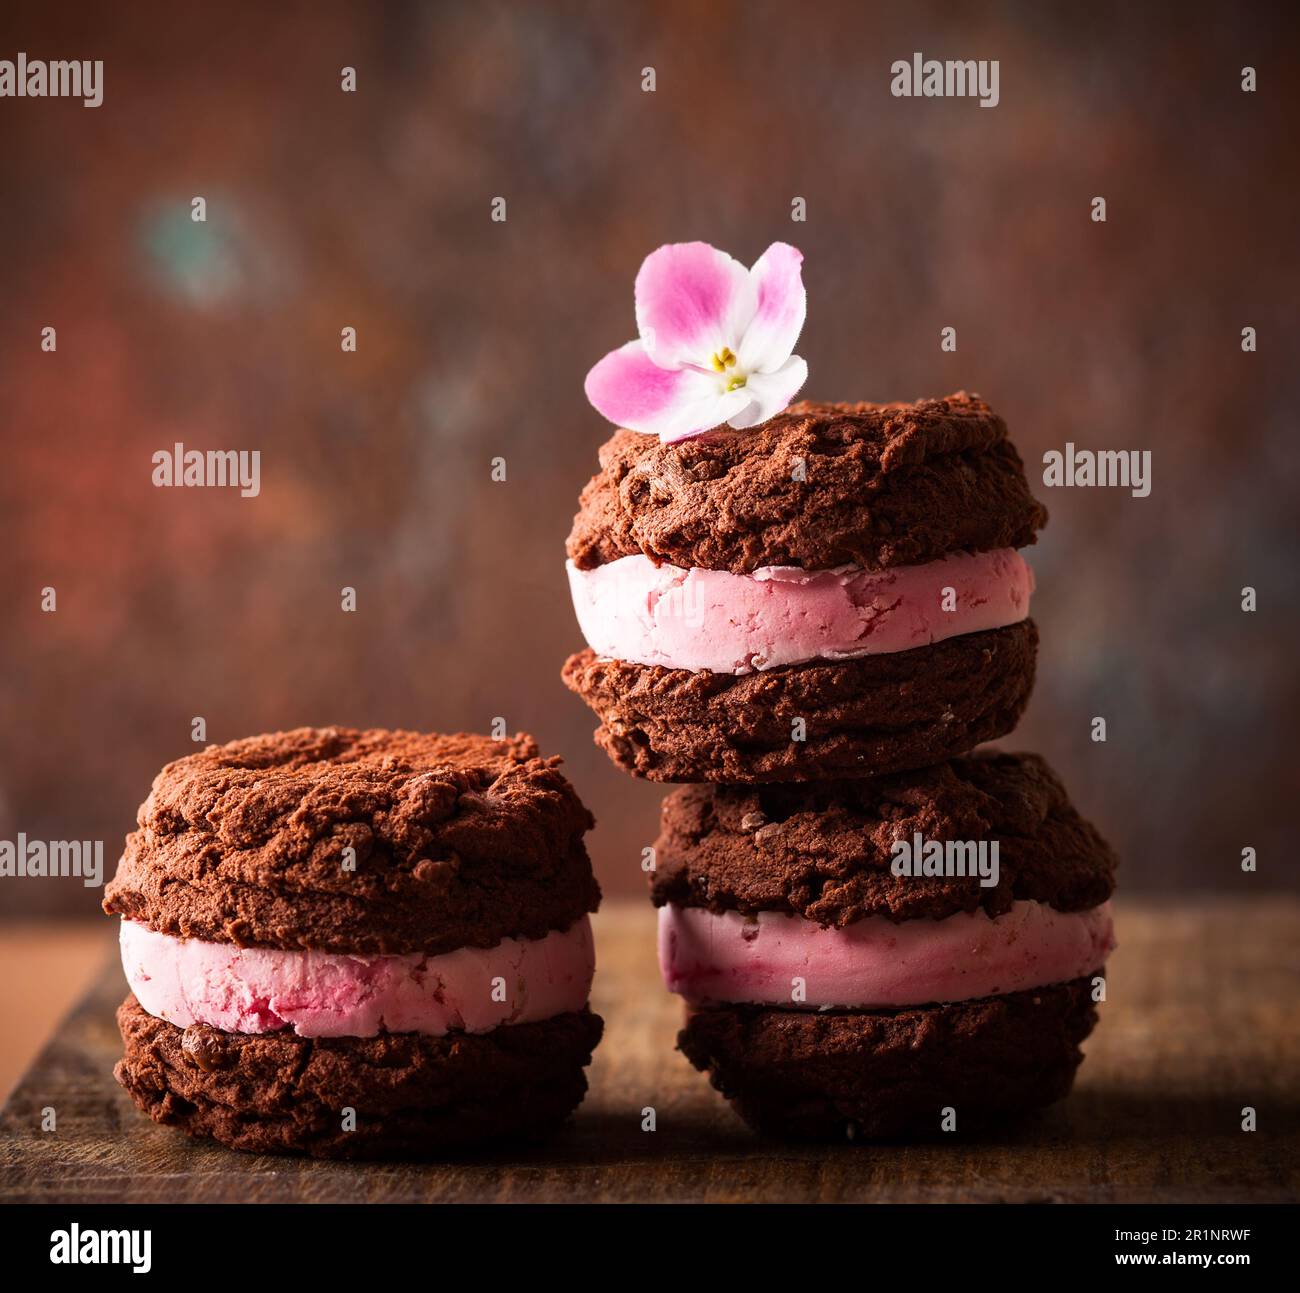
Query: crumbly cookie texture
x=817, y=486
x=862, y=717
x=823, y=850
x=882, y=1074
x=412, y=1094
x=360, y=842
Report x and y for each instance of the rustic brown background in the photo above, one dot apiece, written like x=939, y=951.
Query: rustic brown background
x=372, y=210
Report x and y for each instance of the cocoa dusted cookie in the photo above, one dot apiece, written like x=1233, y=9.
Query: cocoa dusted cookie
x=351, y=944
x=860, y=956
x=279, y=1093
x=891, y=1074
x=836, y=592
x=817, y=486
x=824, y=850
x=456, y=841
x=856, y=717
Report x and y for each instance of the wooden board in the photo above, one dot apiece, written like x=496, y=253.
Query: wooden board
x=1202, y=1020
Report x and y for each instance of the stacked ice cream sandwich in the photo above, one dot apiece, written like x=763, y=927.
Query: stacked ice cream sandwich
x=815, y=613
x=837, y=592
x=358, y=944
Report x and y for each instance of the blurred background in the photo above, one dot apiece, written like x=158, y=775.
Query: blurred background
x=372, y=210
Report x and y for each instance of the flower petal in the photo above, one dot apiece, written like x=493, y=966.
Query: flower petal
x=782, y=305
x=691, y=301
x=631, y=390
x=769, y=393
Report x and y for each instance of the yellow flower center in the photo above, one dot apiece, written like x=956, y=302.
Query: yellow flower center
x=736, y=383
x=723, y=360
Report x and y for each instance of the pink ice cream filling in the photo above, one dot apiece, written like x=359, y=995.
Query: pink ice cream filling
x=327, y=994
x=776, y=959
x=634, y=610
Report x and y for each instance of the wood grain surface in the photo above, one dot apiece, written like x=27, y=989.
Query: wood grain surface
x=48, y=963
x=1202, y=1020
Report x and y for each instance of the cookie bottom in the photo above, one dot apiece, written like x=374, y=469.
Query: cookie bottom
x=877, y=1075
x=862, y=717
x=413, y=1095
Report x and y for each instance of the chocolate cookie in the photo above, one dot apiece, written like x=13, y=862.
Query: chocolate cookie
x=412, y=1095
x=817, y=486
x=456, y=841
x=885, y=1074
x=861, y=717
x=822, y=850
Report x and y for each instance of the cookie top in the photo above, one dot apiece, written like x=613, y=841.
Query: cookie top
x=822, y=850
x=818, y=486
x=457, y=841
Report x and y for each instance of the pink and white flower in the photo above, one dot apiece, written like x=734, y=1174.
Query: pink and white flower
x=716, y=343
